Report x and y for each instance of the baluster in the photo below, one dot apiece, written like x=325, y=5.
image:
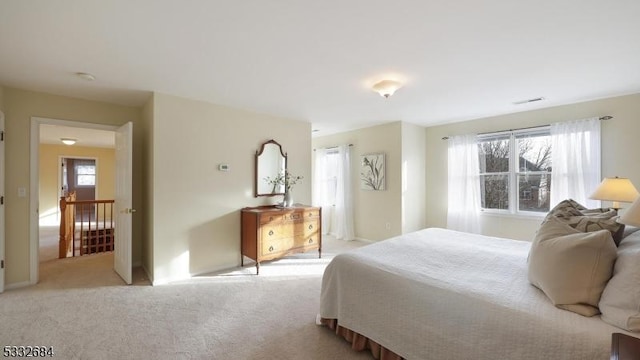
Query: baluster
x=62, y=245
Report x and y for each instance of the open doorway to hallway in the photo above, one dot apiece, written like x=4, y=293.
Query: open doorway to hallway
x=84, y=168
x=121, y=212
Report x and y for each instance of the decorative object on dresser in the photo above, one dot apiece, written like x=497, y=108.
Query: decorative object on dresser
x=287, y=180
x=270, y=232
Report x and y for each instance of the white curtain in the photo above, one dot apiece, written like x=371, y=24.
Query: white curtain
x=464, y=184
x=319, y=193
x=332, y=191
x=344, y=203
x=576, y=161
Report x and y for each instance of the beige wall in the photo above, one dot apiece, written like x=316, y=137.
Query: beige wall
x=373, y=210
x=147, y=158
x=413, y=177
x=49, y=176
x=20, y=106
x=196, y=207
x=619, y=146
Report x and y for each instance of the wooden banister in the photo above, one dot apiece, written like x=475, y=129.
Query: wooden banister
x=96, y=224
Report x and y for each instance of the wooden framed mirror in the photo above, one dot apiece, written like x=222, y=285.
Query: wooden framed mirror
x=271, y=161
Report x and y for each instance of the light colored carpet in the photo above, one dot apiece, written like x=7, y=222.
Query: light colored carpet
x=82, y=309
x=49, y=238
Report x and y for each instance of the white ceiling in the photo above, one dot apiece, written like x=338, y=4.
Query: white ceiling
x=317, y=60
x=52, y=134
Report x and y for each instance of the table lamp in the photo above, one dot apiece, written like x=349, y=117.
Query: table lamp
x=631, y=216
x=617, y=190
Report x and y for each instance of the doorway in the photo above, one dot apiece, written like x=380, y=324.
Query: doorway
x=85, y=172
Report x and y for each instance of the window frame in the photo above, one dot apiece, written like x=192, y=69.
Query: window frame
x=331, y=179
x=514, y=172
x=77, y=174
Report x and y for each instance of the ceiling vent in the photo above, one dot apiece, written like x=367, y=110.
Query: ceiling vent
x=528, y=101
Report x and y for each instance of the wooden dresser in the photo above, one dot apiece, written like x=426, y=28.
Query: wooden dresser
x=270, y=232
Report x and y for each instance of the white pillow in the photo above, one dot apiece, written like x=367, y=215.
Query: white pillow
x=620, y=301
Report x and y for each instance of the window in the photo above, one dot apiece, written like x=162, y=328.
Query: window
x=85, y=173
x=515, y=171
x=330, y=177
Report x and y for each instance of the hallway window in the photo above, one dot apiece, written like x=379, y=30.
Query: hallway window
x=85, y=173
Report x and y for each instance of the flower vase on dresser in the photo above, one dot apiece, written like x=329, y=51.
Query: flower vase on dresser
x=287, y=200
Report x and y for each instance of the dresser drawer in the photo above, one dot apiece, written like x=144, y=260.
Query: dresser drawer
x=310, y=228
x=270, y=219
x=271, y=232
x=276, y=246
x=310, y=241
x=311, y=213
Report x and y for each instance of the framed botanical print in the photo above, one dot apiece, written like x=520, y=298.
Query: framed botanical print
x=372, y=175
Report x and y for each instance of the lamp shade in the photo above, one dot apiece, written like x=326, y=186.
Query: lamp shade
x=631, y=216
x=615, y=189
x=386, y=88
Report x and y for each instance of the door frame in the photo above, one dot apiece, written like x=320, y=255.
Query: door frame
x=34, y=181
x=2, y=206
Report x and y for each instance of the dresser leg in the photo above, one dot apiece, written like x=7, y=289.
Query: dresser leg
x=257, y=268
x=241, y=260
x=319, y=253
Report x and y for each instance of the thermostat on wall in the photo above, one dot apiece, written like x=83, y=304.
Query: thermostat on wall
x=223, y=167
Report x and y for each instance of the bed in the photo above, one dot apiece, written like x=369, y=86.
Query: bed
x=443, y=294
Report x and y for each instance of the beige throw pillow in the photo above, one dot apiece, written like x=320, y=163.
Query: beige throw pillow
x=588, y=220
x=571, y=267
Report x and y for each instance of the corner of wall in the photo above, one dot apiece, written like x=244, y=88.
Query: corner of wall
x=146, y=179
x=413, y=177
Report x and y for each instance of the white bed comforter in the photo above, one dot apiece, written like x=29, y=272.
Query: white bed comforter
x=442, y=294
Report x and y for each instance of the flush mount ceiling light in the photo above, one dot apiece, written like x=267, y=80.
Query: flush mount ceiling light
x=68, y=141
x=85, y=76
x=386, y=88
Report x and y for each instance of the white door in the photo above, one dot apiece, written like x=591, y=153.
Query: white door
x=1, y=202
x=123, y=203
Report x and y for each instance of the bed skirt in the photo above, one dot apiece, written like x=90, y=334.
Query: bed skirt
x=360, y=342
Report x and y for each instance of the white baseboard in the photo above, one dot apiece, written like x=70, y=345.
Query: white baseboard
x=17, y=285
x=365, y=240
x=146, y=272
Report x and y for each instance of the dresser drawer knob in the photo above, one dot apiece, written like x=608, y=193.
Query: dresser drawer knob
x=270, y=248
x=270, y=232
x=310, y=240
x=310, y=227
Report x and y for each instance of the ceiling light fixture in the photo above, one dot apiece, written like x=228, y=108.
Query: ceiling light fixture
x=85, y=76
x=386, y=88
x=68, y=141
